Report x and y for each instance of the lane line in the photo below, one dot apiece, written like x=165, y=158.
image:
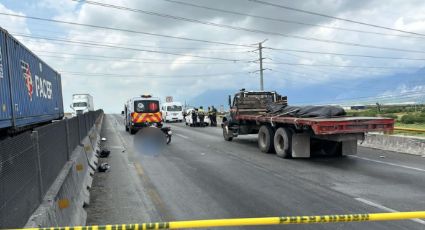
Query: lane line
x=139, y=169
x=388, y=163
x=182, y=136
x=373, y=204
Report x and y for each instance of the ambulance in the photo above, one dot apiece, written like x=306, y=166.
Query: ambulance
x=140, y=112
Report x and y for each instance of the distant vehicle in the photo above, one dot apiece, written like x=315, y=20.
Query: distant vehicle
x=189, y=121
x=141, y=112
x=172, y=111
x=30, y=90
x=82, y=103
x=291, y=135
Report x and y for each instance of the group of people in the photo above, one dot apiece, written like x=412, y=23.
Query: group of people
x=199, y=114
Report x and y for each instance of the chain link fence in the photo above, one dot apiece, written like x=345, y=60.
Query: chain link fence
x=31, y=161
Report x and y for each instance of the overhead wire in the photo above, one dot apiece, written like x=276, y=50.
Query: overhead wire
x=118, y=75
x=334, y=17
x=286, y=20
x=127, y=48
x=246, y=29
x=137, y=61
x=124, y=30
x=345, y=54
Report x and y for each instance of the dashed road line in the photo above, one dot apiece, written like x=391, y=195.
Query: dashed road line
x=376, y=205
x=182, y=136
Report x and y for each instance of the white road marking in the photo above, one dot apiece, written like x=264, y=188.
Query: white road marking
x=182, y=136
x=392, y=164
x=373, y=204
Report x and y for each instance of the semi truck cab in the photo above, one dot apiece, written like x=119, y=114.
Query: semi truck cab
x=82, y=103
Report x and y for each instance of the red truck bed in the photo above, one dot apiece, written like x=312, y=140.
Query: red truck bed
x=337, y=125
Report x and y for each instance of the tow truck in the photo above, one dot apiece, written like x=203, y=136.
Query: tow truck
x=295, y=137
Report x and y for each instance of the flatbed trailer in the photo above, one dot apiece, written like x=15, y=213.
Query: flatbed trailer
x=290, y=136
x=323, y=126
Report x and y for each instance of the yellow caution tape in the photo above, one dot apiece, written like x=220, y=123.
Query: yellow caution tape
x=251, y=221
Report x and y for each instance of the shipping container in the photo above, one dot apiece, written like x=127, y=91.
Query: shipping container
x=30, y=90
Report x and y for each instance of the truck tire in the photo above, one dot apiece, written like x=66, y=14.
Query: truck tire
x=282, y=142
x=227, y=133
x=266, y=139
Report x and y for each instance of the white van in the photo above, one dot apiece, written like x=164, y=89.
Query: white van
x=172, y=111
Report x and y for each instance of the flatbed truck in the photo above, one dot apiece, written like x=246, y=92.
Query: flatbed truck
x=296, y=137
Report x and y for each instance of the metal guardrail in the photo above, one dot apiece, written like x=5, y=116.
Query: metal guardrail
x=283, y=220
x=409, y=129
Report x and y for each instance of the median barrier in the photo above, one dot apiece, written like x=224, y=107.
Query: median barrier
x=396, y=143
x=65, y=200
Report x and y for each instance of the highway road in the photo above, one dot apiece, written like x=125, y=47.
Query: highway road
x=201, y=176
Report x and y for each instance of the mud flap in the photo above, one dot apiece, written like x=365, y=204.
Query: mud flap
x=349, y=147
x=300, y=145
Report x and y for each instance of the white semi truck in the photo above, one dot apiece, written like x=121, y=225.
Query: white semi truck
x=82, y=103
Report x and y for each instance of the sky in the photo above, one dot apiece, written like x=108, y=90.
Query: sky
x=219, y=53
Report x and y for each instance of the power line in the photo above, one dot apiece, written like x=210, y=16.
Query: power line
x=137, y=61
x=359, y=71
x=347, y=54
x=118, y=75
x=333, y=17
x=127, y=48
x=342, y=66
x=102, y=57
x=123, y=30
x=287, y=21
x=246, y=29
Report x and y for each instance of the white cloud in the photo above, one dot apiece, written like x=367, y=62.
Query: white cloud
x=111, y=92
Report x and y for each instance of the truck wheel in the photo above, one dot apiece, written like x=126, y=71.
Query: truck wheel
x=266, y=139
x=227, y=133
x=282, y=142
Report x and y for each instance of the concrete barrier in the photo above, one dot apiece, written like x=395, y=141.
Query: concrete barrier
x=65, y=200
x=397, y=143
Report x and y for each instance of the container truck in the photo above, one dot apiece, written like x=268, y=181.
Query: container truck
x=82, y=103
x=296, y=132
x=30, y=90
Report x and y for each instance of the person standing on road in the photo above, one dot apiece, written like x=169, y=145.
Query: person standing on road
x=209, y=115
x=201, y=115
x=194, y=117
x=213, y=116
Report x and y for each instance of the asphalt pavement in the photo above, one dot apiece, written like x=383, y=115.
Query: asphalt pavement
x=201, y=176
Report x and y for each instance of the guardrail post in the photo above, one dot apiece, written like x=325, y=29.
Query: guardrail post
x=34, y=136
x=79, y=133
x=87, y=123
x=68, y=145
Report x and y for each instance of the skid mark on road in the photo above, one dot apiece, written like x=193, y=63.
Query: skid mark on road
x=376, y=205
x=389, y=163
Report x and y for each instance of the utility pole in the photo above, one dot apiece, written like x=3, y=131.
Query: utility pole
x=260, y=51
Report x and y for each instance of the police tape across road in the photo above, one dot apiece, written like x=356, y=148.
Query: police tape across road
x=250, y=221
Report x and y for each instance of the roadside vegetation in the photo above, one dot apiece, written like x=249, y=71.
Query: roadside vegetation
x=406, y=116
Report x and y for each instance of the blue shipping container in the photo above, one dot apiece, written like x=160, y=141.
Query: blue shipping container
x=30, y=90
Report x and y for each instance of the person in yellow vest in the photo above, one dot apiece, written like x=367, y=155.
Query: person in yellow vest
x=201, y=115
